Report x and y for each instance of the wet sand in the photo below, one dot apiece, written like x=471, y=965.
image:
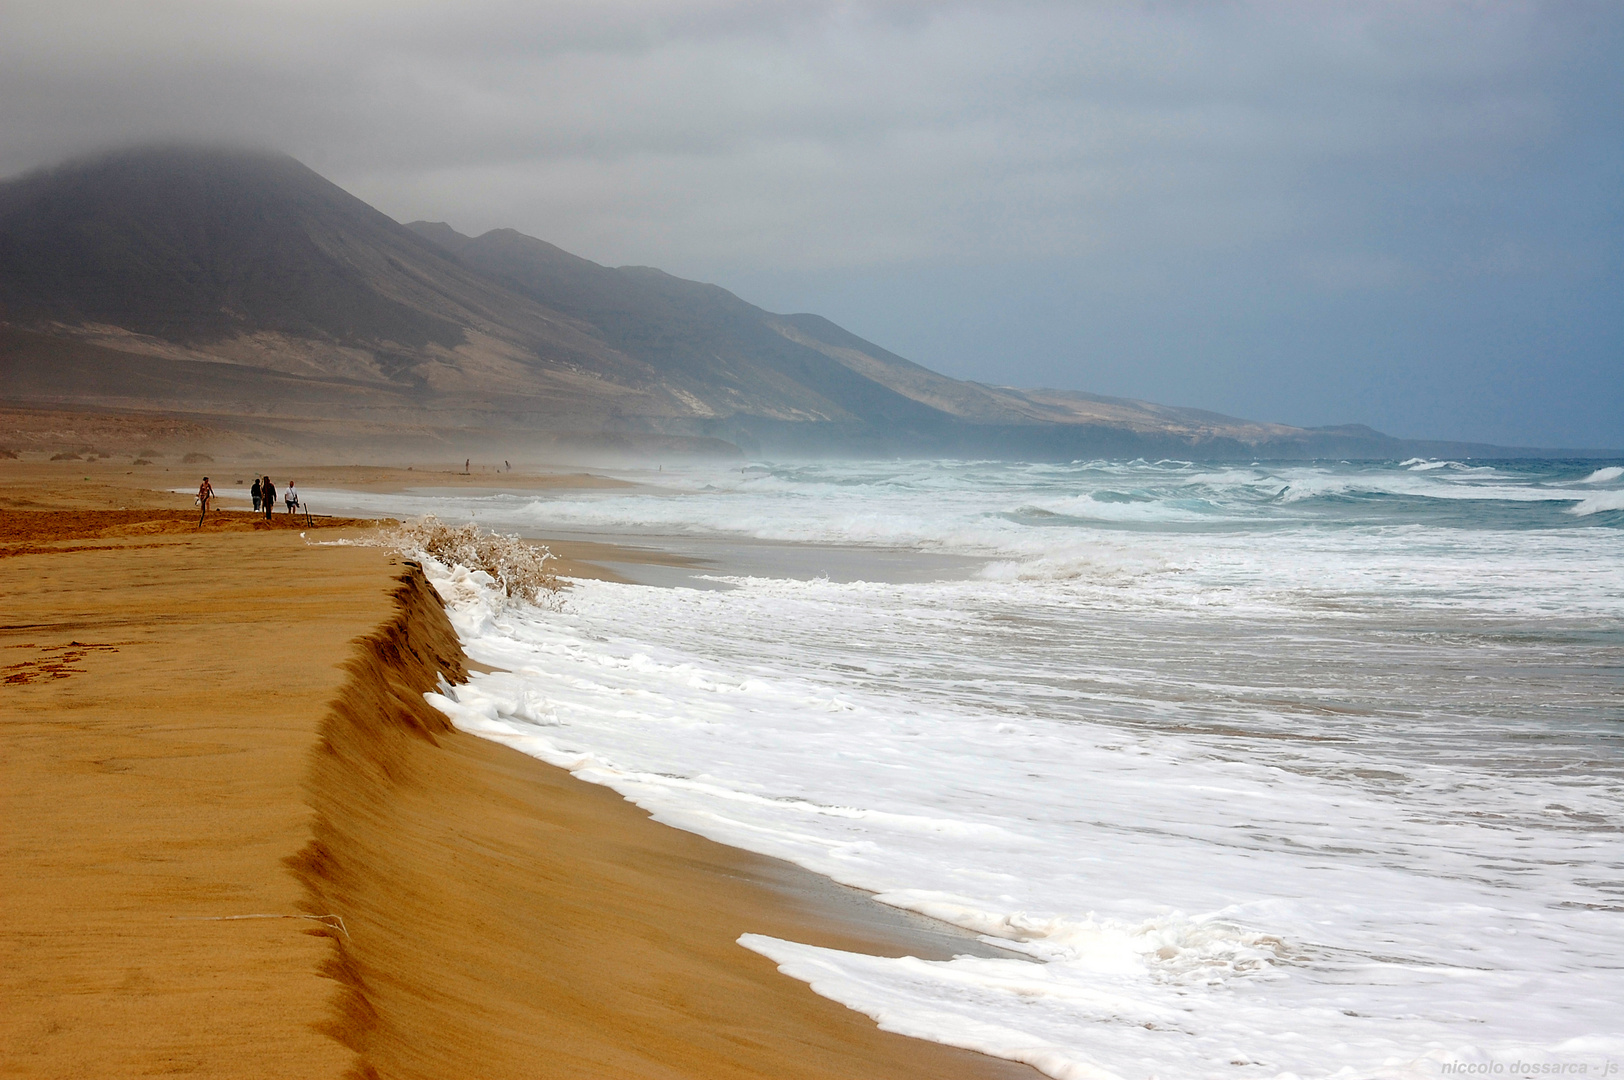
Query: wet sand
x=201, y=725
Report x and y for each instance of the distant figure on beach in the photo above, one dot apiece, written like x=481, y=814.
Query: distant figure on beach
x=254, y=491
x=465, y=465
x=291, y=497
x=267, y=495
x=205, y=492
x=508, y=465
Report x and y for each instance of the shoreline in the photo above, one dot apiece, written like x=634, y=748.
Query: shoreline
x=190, y=741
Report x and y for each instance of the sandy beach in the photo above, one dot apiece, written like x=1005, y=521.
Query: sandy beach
x=239, y=843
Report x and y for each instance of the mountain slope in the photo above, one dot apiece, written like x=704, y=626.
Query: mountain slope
x=194, y=245
x=719, y=351
x=239, y=284
x=727, y=352
x=251, y=259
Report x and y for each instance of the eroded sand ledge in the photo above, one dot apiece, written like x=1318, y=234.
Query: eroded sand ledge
x=500, y=918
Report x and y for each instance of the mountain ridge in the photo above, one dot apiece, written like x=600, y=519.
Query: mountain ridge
x=238, y=284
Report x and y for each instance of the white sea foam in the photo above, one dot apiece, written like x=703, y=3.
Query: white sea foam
x=1599, y=503
x=1324, y=791
x=1603, y=476
x=1025, y=513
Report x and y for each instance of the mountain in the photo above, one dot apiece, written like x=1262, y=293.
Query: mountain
x=241, y=288
x=239, y=282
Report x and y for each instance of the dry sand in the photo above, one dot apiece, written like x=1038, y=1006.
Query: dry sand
x=197, y=725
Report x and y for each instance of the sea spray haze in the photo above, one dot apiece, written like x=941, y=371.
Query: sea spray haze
x=1307, y=769
x=515, y=569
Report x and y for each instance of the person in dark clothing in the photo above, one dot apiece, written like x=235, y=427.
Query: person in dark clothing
x=254, y=491
x=267, y=495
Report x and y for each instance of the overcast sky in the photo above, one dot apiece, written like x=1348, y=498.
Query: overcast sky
x=1405, y=214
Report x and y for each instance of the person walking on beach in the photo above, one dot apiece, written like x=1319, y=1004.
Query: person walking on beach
x=291, y=497
x=205, y=492
x=267, y=495
x=254, y=491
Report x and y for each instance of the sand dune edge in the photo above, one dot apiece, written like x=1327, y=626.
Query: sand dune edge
x=360, y=755
x=501, y=918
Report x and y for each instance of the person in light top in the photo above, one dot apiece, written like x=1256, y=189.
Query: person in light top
x=291, y=497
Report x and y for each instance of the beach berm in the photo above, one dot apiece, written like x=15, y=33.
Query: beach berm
x=239, y=843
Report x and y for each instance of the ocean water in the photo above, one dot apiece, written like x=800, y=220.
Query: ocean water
x=1254, y=770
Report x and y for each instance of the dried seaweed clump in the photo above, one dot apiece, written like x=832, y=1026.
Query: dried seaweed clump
x=520, y=568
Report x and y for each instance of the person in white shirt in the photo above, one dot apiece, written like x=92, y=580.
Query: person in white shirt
x=291, y=497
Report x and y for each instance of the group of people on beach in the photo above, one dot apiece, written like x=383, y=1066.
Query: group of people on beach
x=264, y=494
